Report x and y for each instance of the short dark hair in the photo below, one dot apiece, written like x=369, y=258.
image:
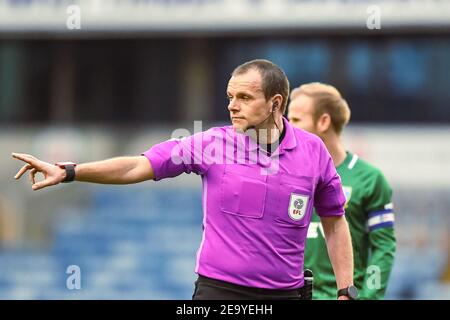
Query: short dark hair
x=274, y=80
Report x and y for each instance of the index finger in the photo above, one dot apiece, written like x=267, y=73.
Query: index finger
x=25, y=157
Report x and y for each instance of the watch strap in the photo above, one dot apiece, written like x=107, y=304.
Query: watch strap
x=70, y=173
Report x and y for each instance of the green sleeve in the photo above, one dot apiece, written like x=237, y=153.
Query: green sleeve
x=378, y=192
x=382, y=252
x=382, y=242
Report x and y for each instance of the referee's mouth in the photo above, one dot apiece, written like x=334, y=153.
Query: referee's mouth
x=237, y=119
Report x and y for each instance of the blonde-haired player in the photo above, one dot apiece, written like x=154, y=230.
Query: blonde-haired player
x=321, y=109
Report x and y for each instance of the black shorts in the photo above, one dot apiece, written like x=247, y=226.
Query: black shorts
x=211, y=289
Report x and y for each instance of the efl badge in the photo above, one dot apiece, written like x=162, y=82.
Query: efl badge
x=297, y=206
x=347, y=194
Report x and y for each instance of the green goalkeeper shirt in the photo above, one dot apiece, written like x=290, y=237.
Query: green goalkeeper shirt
x=369, y=212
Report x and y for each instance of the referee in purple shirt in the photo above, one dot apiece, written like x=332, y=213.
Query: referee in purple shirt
x=261, y=178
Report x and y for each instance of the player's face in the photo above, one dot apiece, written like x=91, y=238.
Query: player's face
x=300, y=114
x=247, y=103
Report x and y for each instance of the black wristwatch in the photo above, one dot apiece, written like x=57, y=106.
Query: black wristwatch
x=351, y=292
x=70, y=170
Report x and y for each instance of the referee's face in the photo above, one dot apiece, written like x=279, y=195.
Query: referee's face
x=247, y=103
x=300, y=114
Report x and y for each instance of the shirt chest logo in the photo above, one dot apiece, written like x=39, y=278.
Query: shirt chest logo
x=297, y=206
x=347, y=194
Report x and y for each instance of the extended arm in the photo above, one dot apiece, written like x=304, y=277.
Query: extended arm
x=123, y=170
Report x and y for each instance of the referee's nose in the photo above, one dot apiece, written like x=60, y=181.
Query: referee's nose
x=233, y=106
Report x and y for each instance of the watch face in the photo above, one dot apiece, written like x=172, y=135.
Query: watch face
x=352, y=292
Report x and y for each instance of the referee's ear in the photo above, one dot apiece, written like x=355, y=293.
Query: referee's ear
x=277, y=102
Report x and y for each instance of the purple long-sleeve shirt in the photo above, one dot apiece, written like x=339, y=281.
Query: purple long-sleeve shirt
x=256, y=207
